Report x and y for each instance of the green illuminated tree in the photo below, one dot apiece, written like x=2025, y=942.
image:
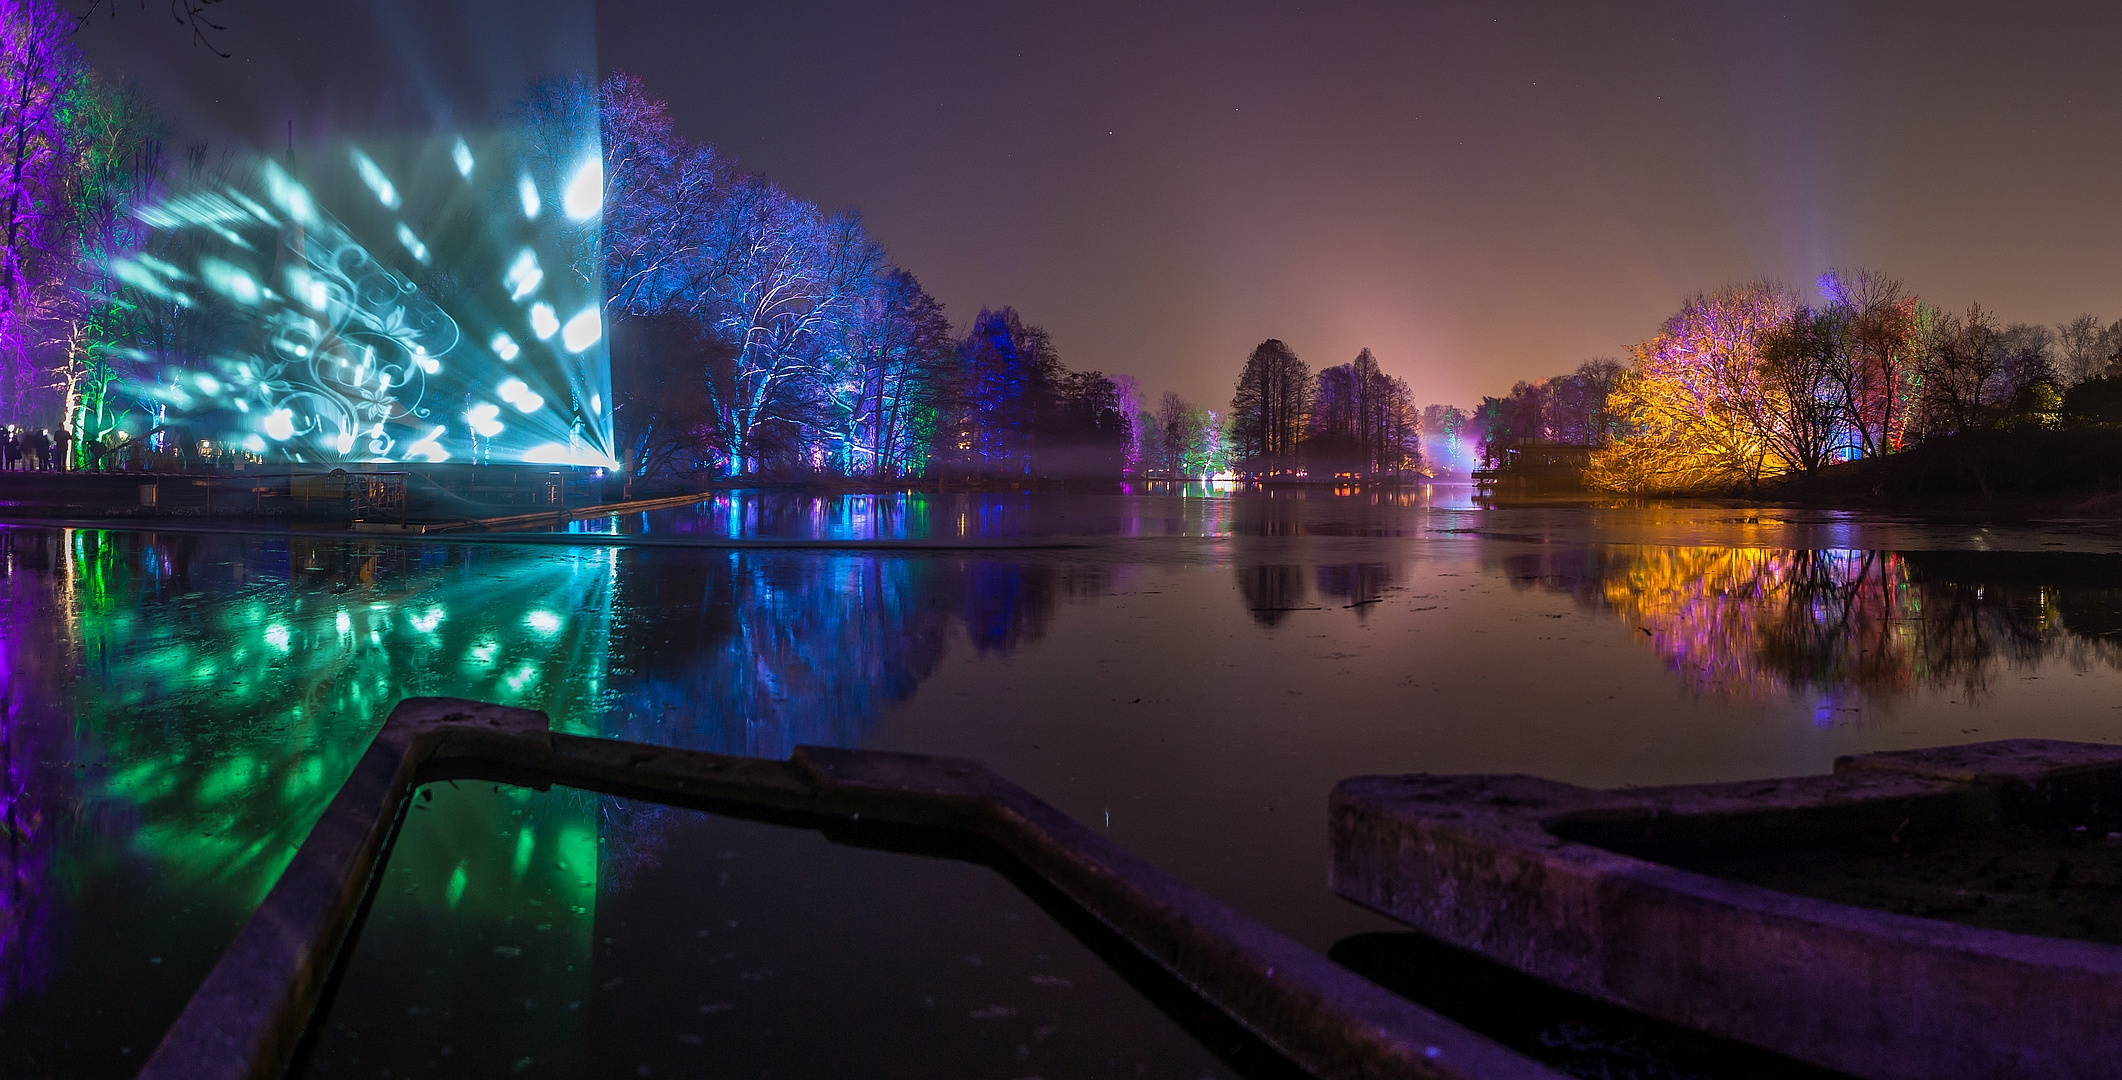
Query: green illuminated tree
x=116, y=168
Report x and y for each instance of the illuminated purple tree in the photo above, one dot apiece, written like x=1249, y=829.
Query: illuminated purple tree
x=33, y=713
x=38, y=65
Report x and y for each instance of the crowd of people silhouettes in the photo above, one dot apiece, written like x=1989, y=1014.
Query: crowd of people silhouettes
x=24, y=450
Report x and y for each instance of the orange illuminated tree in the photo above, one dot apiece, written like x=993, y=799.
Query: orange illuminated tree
x=1698, y=407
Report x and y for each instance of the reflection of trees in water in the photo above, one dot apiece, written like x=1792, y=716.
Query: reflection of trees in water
x=1760, y=622
x=34, y=788
x=750, y=653
x=223, y=687
x=757, y=653
x=783, y=514
x=2070, y=601
x=1356, y=583
x=896, y=516
x=1277, y=515
x=1271, y=592
x=1005, y=605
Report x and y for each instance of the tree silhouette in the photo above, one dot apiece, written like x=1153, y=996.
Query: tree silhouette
x=1270, y=410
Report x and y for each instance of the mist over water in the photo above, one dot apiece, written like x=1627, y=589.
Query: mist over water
x=1189, y=669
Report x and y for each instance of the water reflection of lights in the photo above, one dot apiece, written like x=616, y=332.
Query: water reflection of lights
x=230, y=693
x=218, y=689
x=1837, y=623
x=342, y=638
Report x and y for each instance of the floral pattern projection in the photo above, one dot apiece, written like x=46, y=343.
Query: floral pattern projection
x=1844, y=626
x=470, y=340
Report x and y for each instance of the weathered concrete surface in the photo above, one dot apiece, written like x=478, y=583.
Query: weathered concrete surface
x=248, y=1017
x=1563, y=883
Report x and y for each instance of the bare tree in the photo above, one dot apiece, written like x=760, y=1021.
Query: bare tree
x=1874, y=374
x=1799, y=363
x=1959, y=359
x=190, y=14
x=2026, y=362
x=2085, y=349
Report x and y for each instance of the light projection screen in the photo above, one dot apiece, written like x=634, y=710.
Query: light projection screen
x=391, y=297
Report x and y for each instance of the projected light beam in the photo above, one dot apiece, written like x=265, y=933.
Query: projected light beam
x=585, y=192
x=336, y=349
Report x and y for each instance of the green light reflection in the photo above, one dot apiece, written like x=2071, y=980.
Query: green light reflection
x=293, y=669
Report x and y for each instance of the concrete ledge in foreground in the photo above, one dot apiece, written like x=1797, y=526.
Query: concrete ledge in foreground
x=1580, y=888
x=248, y=1018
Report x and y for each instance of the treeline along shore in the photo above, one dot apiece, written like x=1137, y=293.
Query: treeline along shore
x=755, y=337
x=1870, y=395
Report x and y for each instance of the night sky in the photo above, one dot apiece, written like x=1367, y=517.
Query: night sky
x=1478, y=194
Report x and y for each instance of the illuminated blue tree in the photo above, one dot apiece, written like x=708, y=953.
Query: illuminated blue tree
x=1005, y=372
x=884, y=393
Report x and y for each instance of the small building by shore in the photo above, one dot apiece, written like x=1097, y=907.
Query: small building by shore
x=1531, y=465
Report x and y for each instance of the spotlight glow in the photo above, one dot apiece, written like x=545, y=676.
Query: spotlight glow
x=386, y=193
x=482, y=418
x=523, y=275
x=412, y=243
x=504, y=347
x=430, y=447
x=230, y=281
x=585, y=193
x=462, y=155
x=557, y=454
x=292, y=198
x=543, y=322
x=583, y=330
x=529, y=193
x=522, y=397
